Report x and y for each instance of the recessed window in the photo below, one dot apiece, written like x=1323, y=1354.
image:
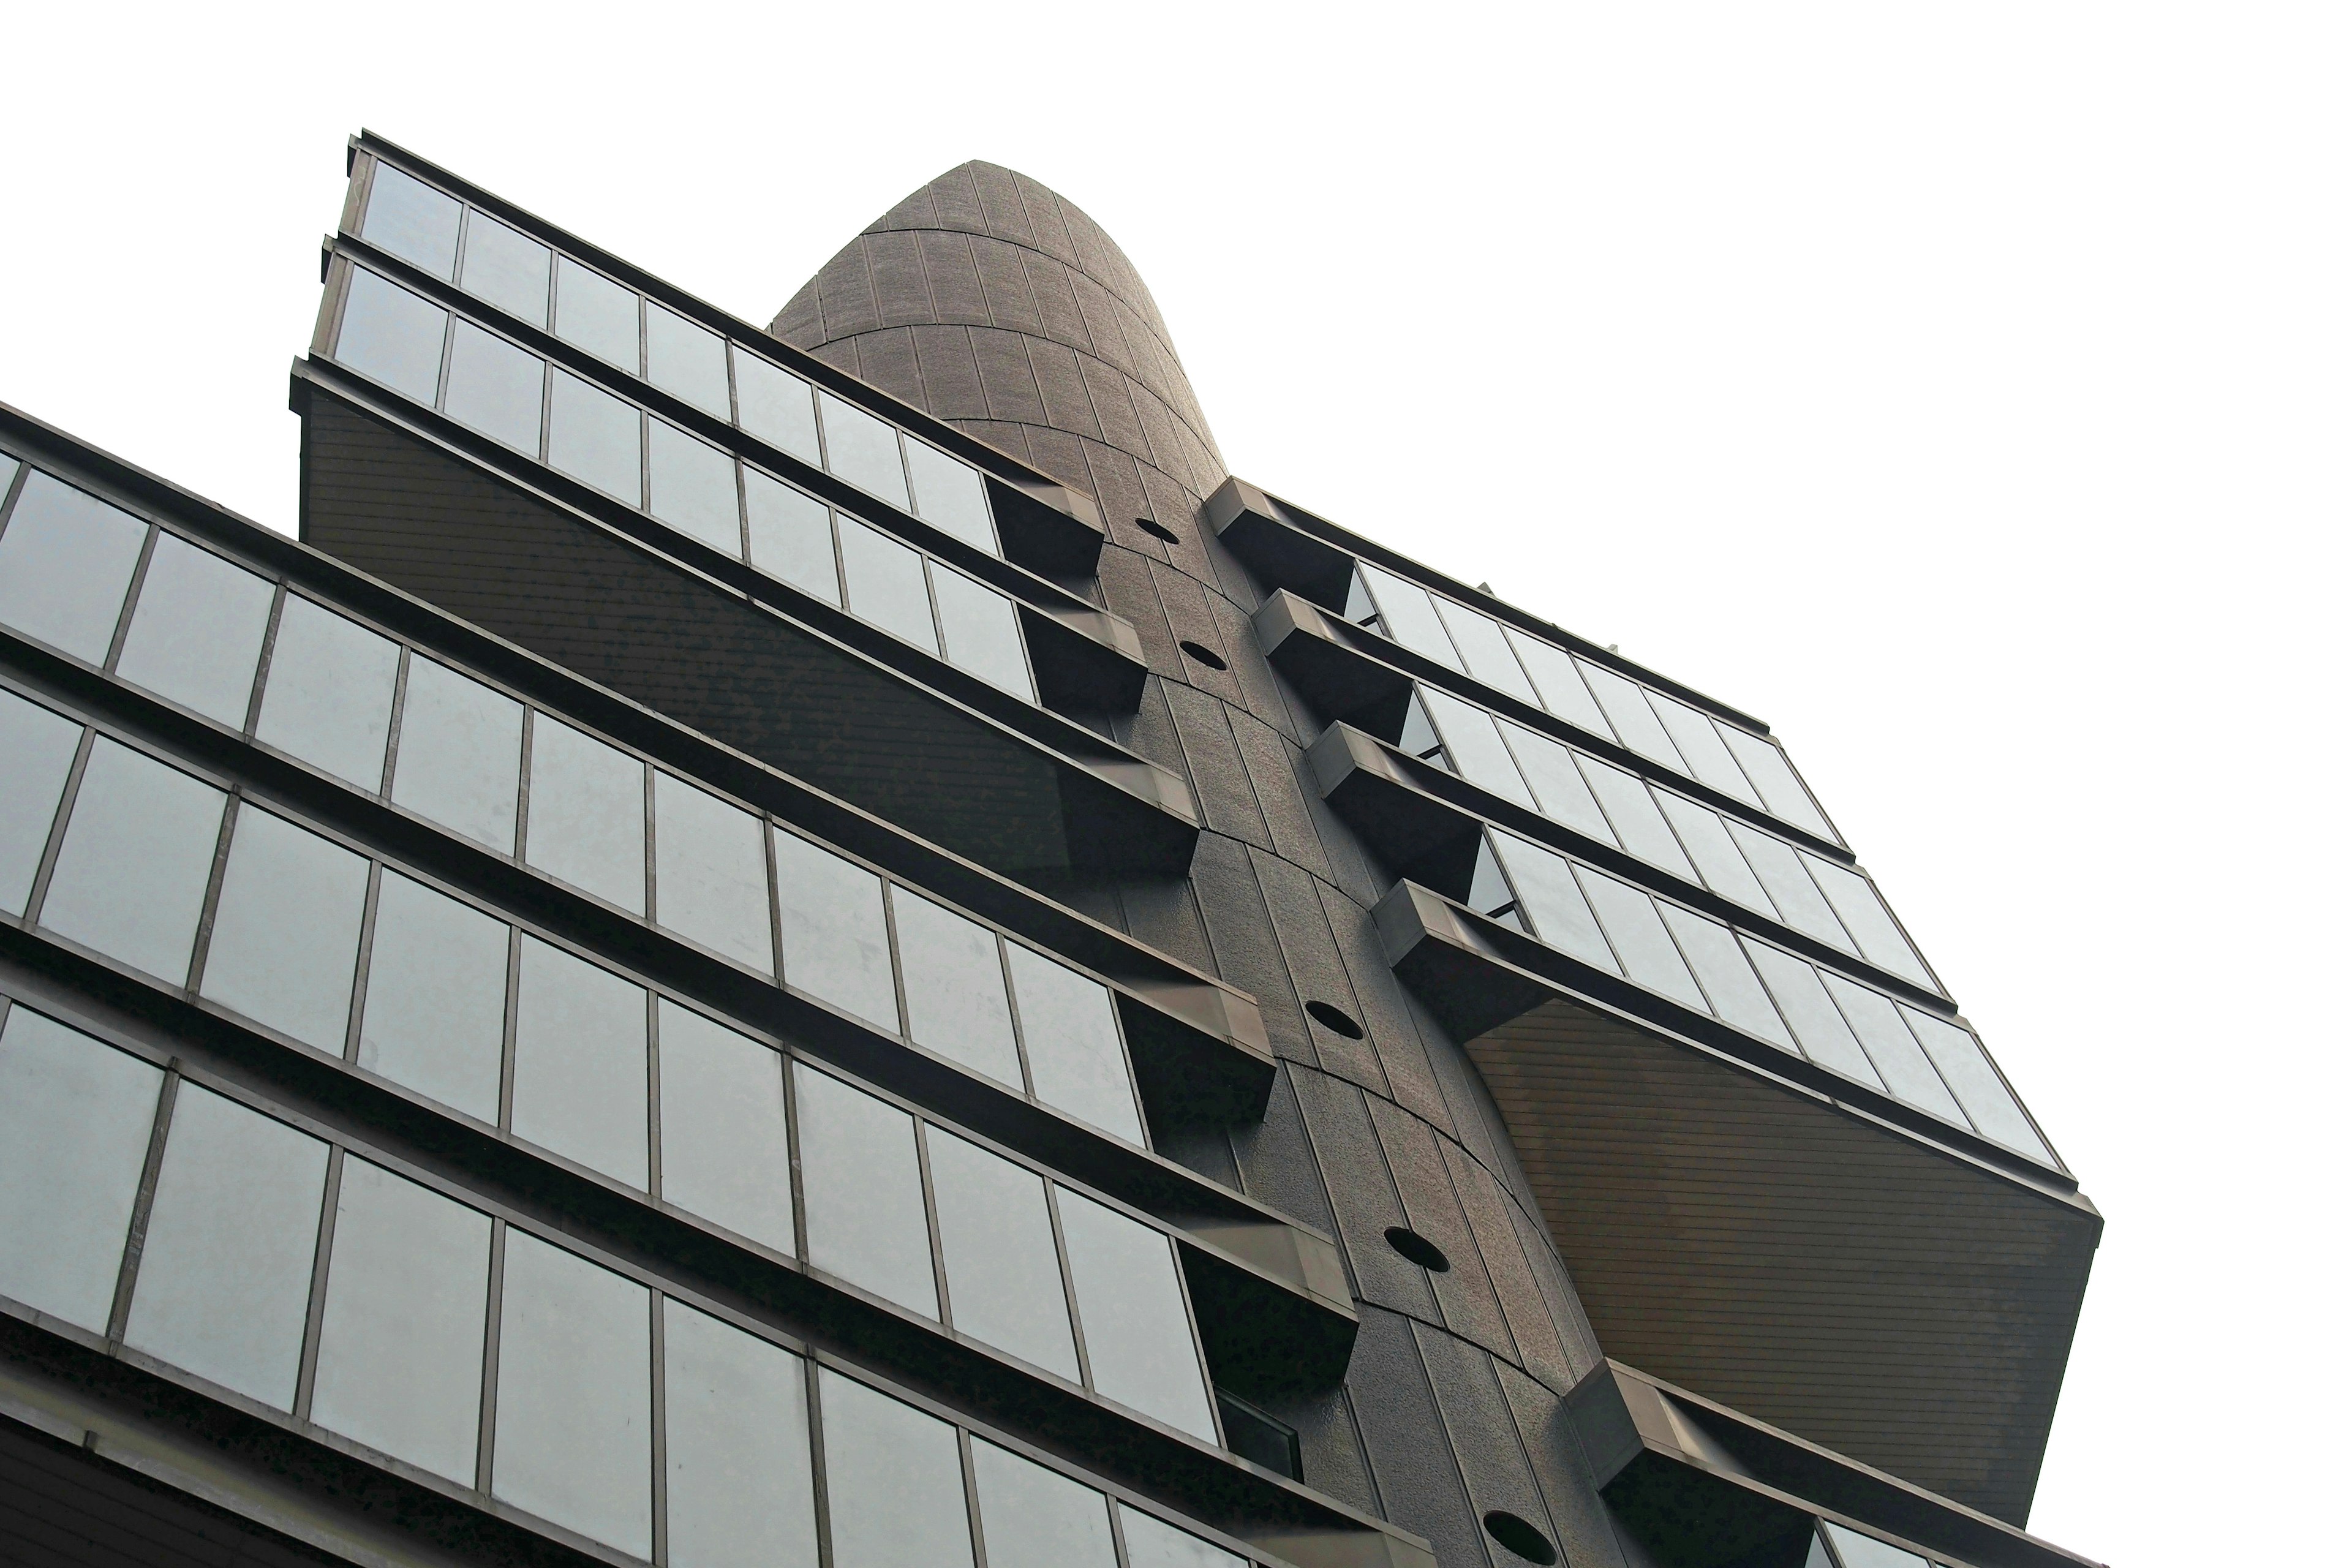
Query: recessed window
x=1415, y=1247
x=1200, y=655
x=1335, y=1021
x=1165, y=535
x=1516, y=1534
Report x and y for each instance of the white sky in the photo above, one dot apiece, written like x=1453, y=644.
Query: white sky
x=1962, y=389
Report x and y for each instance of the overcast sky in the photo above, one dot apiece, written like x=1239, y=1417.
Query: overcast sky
x=1962, y=389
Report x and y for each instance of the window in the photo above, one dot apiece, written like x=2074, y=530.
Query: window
x=36, y=751
x=951, y=496
x=1029, y=1514
x=411, y=220
x=864, y=1192
x=1155, y=1544
x=66, y=560
x=580, y=1062
x=735, y=1414
x=955, y=989
x=982, y=631
x=724, y=1153
x=1131, y=1306
x=596, y=314
x=593, y=435
x=285, y=930
x=710, y=876
x=863, y=449
x=131, y=876
x=460, y=760
x=886, y=584
x=1648, y=953
x=692, y=486
x=329, y=698
x=687, y=360
x=390, y=335
x=836, y=944
x=436, y=998
x=506, y=268
x=495, y=387
x=1485, y=649
x=895, y=1478
x=790, y=535
x=1003, y=1272
x=587, y=814
x=774, y=405
x=197, y=635
x=1075, y=1057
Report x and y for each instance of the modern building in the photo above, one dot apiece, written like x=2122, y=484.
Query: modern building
x=827, y=947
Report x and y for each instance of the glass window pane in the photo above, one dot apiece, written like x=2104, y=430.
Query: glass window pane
x=390, y=335
x=593, y=435
x=1702, y=749
x=724, y=1153
x=587, y=814
x=1477, y=749
x=196, y=635
x=1969, y=1075
x=1634, y=812
x=886, y=584
x=596, y=314
x=64, y=564
x=1821, y=1029
x=411, y=220
x=224, y=1282
x=1817, y=1553
x=774, y=405
x=328, y=699
x=400, y=1340
x=1410, y=618
x=1769, y=770
x=735, y=1412
x=506, y=268
x=1562, y=690
x=574, y=1439
x=1731, y=987
x=1867, y=1552
x=1005, y=1276
x=131, y=876
x=790, y=535
x=1560, y=791
x=835, y=945
x=955, y=989
x=460, y=761
x=687, y=360
x=894, y=1479
x=286, y=931
x=710, y=876
x=1719, y=861
x=1077, y=1062
x=1801, y=903
x=1131, y=1309
x=1630, y=716
x=864, y=1192
x=1031, y=1515
x=1894, y=1051
x=982, y=632
x=36, y=749
x=1858, y=904
x=75, y=1118
x=1551, y=901
x=951, y=496
x=1631, y=919
x=495, y=387
x=1155, y=1544
x=435, y=1017
x=863, y=450
x=693, y=486
x=580, y=1062
x=1480, y=640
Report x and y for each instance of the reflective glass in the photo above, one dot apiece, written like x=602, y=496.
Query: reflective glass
x=863, y=449
x=1411, y=618
x=864, y=1192
x=1731, y=987
x=587, y=814
x=1631, y=919
x=75, y=1118
x=495, y=387
x=1858, y=905
x=196, y=635
x=65, y=564
x=1490, y=890
x=1560, y=791
x=1630, y=716
x=790, y=535
x=574, y=1439
x=224, y=1281
x=412, y=220
x=1784, y=796
x=1076, y=1061
x=710, y=875
x=435, y=1017
x=285, y=931
x=1477, y=748
x=1821, y=1029
x=736, y=1430
x=580, y=1062
x=725, y=1153
x=1641, y=827
x=593, y=435
x=460, y=761
x=400, y=1340
x=1155, y=1544
x=1005, y=1276
x=328, y=699
x=1562, y=690
x=774, y=405
x=1702, y=749
x=138, y=852
x=1817, y=1553
x=36, y=749
x=955, y=988
x=1910, y=1076
x=1480, y=640
x=1551, y=901
x=390, y=335
x=685, y=359
x=596, y=314
x=1801, y=903
x=982, y=632
x=1719, y=861
x=1969, y=1075
x=1037, y=1517
x=693, y=486
x=506, y=268
x=835, y=945
x=951, y=495
x=1859, y=1551
x=886, y=584
x=894, y=1479
x=1132, y=1310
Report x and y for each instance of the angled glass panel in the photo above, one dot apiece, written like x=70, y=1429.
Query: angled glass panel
x=1630, y=716
x=1731, y=987
x=138, y=852
x=1476, y=747
x=864, y=1192
x=836, y=944
x=1032, y=1515
x=791, y=534
x=65, y=564
x=1702, y=748
x=587, y=814
x=435, y=1014
x=1076, y=1060
x=1801, y=903
x=894, y=1478
x=1817, y=1553
x=495, y=387
x=775, y=405
x=693, y=486
x=460, y=761
x=329, y=695
x=400, y=1341
x=1479, y=638
x=36, y=749
x=1784, y=796
x=1004, y=1276
x=506, y=268
x=1719, y=858
x=956, y=1002
x=1642, y=829
x=75, y=1119
x=580, y=1062
x=863, y=449
x=1557, y=682
x=1969, y=1075
x=1820, y=1028
x=1410, y=618
x=196, y=635
x=886, y=584
x=710, y=875
x=736, y=1424
x=574, y=1440
x=951, y=495
x=1630, y=916
x=594, y=436
x=982, y=632
x=1155, y=1544
x=390, y=335
x=1560, y=791
x=286, y=931
x=224, y=1282
x=1418, y=737
x=1490, y=891
x=412, y=220
x=724, y=1153
x=1131, y=1309
x=1552, y=902
x=1858, y=1550
x=686, y=361
x=1858, y=904
x=1893, y=1050
x=596, y=314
